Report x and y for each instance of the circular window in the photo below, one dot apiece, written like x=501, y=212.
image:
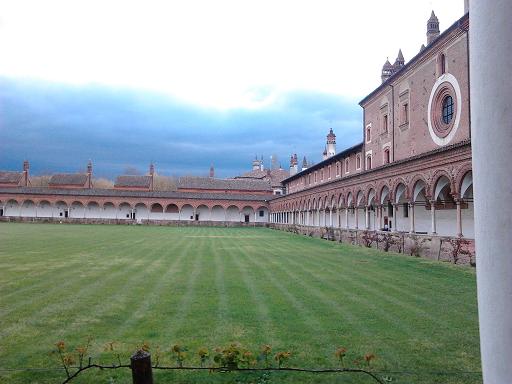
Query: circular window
x=444, y=109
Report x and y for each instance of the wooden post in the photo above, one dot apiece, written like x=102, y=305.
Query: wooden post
x=141, y=368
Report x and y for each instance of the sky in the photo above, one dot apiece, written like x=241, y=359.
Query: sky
x=186, y=84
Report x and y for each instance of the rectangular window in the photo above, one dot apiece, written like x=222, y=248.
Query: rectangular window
x=385, y=124
x=262, y=213
x=406, y=113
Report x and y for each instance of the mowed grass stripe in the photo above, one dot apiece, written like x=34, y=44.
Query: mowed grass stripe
x=212, y=286
x=73, y=287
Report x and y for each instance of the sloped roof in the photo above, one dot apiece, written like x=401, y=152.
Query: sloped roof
x=133, y=181
x=10, y=177
x=68, y=179
x=190, y=182
x=276, y=176
x=95, y=192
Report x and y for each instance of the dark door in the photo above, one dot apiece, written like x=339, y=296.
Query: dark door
x=246, y=218
x=66, y=214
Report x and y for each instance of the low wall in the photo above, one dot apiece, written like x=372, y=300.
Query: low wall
x=173, y=223
x=450, y=249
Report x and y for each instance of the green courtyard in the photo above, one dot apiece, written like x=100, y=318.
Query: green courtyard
x=215, y=286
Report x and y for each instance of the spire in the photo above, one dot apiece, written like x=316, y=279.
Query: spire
x=324, y=154
x=432, y=28
x=304, y=164
x=399, y=62
x=387, y=70
x=89, y=174
x=212, y=171
x=151, y=169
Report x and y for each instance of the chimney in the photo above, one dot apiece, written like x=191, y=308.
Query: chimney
x=89, y=174
x=152, y=175
x=26, y=167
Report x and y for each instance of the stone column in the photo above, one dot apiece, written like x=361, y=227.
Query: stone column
x=356, y=210
x=330, y=218
x=395, y=219
x=433, y=216
x=367, y=217
x=491, y=140
x=380, y=216
x=346, y=217
x=459, y=218
x=411, y=217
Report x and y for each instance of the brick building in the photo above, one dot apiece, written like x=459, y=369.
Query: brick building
x=412, y=172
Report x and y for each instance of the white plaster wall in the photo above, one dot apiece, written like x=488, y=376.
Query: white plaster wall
x=77, y=210
x=232, y=214
x=204, y=213
x=468, y=221
x=218, y=213
x=12, y=208
x=44, y=209
x=59, y=210
x=124, y=211
x=172, y=215
x=28, y=209
x=187, y=211
x=141, y=212
x=109, y=211
x=422, y=219
x=93, y=211
x=264, y=218
x=446, y=222
x=249, y=211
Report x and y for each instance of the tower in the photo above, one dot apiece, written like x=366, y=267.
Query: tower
x=324, y=154
x=256, y=165
x=387, y=71
x=432, y=28
x=331, y=143
x=212, y=171
x=294, y=164
x=89, y=174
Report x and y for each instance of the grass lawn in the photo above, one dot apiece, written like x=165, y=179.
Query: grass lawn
x=213, y=286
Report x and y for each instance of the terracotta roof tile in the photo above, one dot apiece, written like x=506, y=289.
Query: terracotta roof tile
x=10, y=177
x=68, y=179
x=133, y=181
x=223, y=184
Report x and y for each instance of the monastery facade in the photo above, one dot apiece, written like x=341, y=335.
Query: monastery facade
x=412, y=172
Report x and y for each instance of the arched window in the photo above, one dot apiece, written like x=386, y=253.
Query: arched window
x=368, y=134
x=386, y=156
x=347, y=165
x=443, y=63
x=447, y=109
x=369, y=162
x=358, y=161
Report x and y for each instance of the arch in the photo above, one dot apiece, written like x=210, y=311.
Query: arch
x=218, y=213
x=187, y=212
x=466, y=184
x=28, y=209
x=12, y=208
x=140, y=212
x=419, y=186
x=400, y=193
x=232, y=213
x=61, y=209
x=350, y=200
x=384, y=194
x=44, y=209
x=359, y=198
x=371, y=198
x=92, y=210
x=124, y=211
x=157, y=208
x=341, y=200
x=247, y=214
x=202, y=213
x=109, y=210
x=77, y=210
x=172, y=208
x=442, y=187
